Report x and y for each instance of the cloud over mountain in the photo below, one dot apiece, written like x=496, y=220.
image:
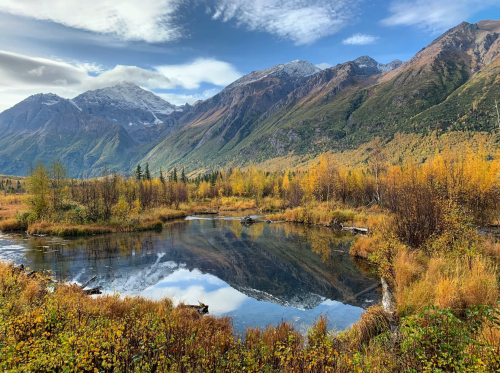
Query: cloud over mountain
x=23, y=76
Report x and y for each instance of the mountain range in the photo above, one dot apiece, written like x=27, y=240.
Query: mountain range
x=289, y=110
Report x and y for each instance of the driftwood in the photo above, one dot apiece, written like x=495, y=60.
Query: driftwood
x=201, y=308
x=247, y=220
x=88, y=282
x=356, y=229
x=338, y=225
x=91, y=291
x=32, y=274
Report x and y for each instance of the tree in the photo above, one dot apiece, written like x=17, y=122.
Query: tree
x=174, y=175
x=498, y=114
x=147, y=174
x=138, y=173
x=162, y=178
x=38, y=184
x=377, y=162
x=183, y=176
x=58, y=176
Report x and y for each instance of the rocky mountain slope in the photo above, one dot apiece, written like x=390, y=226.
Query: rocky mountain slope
x=215, y=125
x=143, y=114
x=46, y=126
x=109, y=127
x=449, y=85
x=242, y=109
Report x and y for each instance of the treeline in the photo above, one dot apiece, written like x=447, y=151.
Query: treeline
x=415, y=192
x=10, y=186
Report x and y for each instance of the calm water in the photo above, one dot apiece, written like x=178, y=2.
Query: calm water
x=259, y=275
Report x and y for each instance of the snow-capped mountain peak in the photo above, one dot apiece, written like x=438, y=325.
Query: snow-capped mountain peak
x=369, y=66
x=126, y=104
x=298, y=69
x=292, y=70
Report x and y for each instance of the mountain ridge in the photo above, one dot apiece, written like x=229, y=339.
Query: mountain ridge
x=292, y=108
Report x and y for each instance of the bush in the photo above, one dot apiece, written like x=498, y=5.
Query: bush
x=438, y=341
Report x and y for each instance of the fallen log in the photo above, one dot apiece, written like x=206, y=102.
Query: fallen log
x=356, y=229
x=31, y=274
x=88, y=282
x=201, y=308
x=93, y=291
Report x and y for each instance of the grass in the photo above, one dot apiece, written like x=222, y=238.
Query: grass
x=322, y=214
x=444, y=282
x=10, y=206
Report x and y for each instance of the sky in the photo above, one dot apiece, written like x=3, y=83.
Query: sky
x=189, y=50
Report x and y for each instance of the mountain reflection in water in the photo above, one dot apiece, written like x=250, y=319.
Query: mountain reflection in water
x=259, y=275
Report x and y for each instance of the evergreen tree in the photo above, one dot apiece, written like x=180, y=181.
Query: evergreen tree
x=183, y=176
x=162, y=178
x=138, y=173
x=174, y=175
x=147, y=174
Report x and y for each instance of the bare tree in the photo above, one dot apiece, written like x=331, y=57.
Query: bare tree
x=377, y=162
x=498, y=113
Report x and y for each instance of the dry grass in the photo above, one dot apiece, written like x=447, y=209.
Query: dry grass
x=324, y=214
x=66, y=229
x=10, y=206
x=492, y=248
x=373, y=323
x=445, y=282
x=234, y=204
x=364, y=246
x=164, y=214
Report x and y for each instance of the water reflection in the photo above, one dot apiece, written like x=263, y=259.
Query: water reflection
x=258, y=274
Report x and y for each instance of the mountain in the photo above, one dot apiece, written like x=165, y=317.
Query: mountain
x=449, y=85
x=46, y=126
x=369, y=66
x=215, y=125
x=292, y=111
x=143, y=114
x=108, y=127
x=242, y=109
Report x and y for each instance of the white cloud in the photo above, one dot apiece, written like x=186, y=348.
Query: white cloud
x=434, y=16
x=324, y=65
x=302, y=21
x=17, y=69
x=133, y=74
x=360, y=39
x=201, y=70
x=37, y=72
x=22, y=76
x=149, y=20
x=180, y=99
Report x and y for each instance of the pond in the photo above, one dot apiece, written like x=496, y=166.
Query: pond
x=259, y=274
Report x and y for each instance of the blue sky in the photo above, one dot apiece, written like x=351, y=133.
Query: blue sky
x=187, y=50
